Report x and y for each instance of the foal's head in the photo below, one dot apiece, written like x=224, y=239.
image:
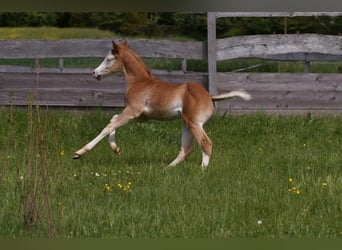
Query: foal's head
x=118, y=58
x=110, y=63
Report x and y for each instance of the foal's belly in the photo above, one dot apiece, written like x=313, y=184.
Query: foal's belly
x=162, y=114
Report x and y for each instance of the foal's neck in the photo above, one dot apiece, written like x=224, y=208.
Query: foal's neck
x=135, y=70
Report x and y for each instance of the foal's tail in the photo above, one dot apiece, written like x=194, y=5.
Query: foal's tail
x=235, y=93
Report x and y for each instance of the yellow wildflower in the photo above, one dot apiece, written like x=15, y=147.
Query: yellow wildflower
x=108, y=188
x=125, y=187
x=324, y=184
x=290, y=179
x=293, y=190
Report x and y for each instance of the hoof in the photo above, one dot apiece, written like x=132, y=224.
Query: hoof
x=76, y=156
x=117, y=151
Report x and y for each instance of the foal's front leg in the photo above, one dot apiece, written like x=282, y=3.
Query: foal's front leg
x=115, y=122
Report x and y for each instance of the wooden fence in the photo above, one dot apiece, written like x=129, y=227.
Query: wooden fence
x=273, y=93
x=277, y=93
x=75, y=87
x=283, y=93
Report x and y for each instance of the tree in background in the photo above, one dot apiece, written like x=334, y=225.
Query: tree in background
x=166, y=24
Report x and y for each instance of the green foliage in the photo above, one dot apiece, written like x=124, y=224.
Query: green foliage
x=270, y=177
x=318, y=25
x=33, y=19
x=168, y=24
x=235, y=26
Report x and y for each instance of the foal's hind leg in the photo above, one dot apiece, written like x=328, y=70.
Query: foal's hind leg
x=186, y=148
x=111, y=139
x=204, y=142
x=112, y=143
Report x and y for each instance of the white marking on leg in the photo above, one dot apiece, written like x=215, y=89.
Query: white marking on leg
x=203, y=141
x=116, y=121
x=186, y=148
x=92, y=144
x=178, y=159
x=112, y=143
x=111, y=138
x=114, y=118
x=205, y=160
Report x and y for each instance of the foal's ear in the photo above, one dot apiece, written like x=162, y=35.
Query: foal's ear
x=116, y=48
x=125, y=43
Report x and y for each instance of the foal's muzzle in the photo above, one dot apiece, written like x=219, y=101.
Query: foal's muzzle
x=97, y=77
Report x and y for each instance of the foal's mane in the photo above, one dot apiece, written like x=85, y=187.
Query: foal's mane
x=139, y=60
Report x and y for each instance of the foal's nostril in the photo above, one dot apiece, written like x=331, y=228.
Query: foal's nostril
x=95, y=75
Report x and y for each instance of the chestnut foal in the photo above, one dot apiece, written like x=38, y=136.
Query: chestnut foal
x=148, y=97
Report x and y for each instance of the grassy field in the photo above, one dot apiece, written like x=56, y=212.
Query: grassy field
x=270, y=177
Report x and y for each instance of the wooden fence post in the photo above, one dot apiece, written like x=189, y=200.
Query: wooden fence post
x=307, y=66
x=61, y=64
x=36, y=63
x=211, y=26
x=184, y=65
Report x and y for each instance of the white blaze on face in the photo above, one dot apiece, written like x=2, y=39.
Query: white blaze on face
x=105, y=68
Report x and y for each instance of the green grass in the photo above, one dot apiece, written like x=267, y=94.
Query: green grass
x=55, y=33
x=52, y=33
x=245, y=193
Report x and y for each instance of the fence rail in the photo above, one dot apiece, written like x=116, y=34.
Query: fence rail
x=74, y=89
x=295, y=47
x=98, y=48
x=283, y=93
x=280, y=93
